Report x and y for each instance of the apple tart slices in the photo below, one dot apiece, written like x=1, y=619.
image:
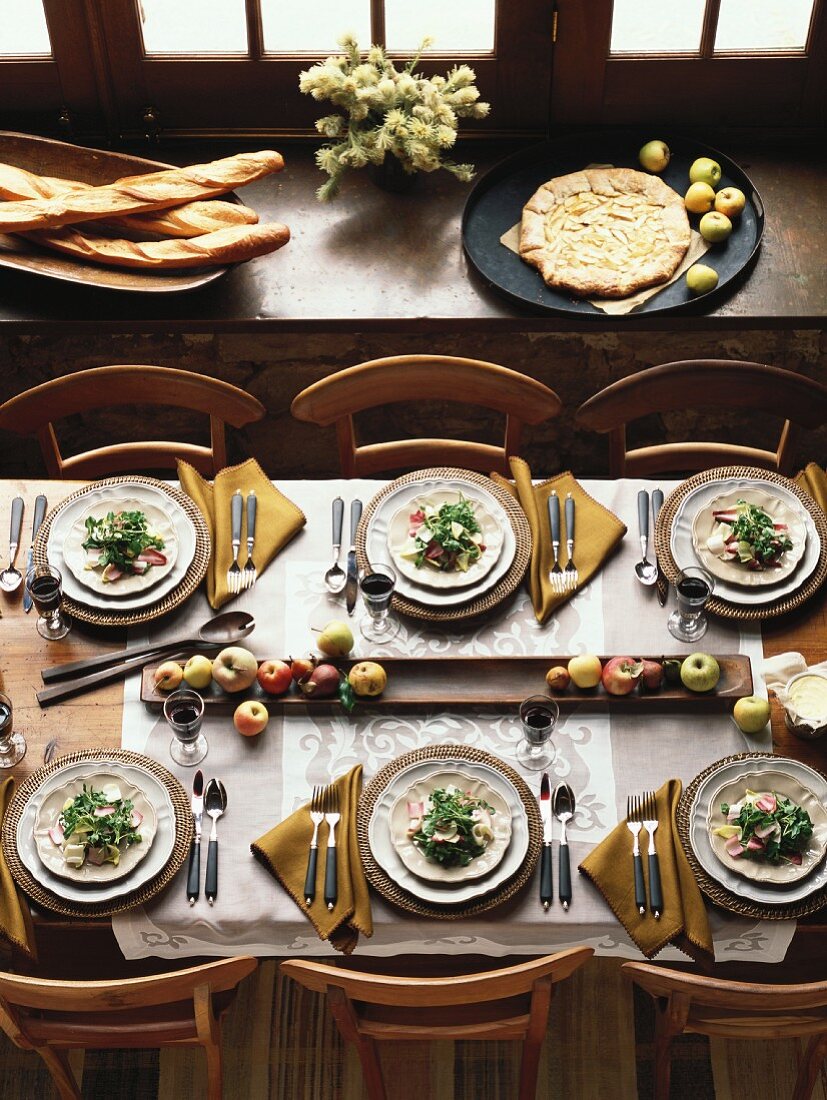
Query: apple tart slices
x=604, y=232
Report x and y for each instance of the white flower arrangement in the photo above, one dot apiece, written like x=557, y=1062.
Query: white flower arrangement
x=406, y=114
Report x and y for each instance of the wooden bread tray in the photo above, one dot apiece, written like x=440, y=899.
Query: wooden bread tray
x=451, y=682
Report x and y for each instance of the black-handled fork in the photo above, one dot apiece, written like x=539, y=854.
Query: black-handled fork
x=634, y=824
x=317, y=817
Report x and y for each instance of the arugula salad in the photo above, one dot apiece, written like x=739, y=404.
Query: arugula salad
x=747, y=534
x=451, y=827
x=447, y=538
x=765, y=826
x=120, y=544
x=94, y=825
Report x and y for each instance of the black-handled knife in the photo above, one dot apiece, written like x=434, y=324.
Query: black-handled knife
x=330, y=871
x=662, y=583
x=352, y=584
x=546, y=877
x=39, y=513
x=194, y=873
x=655, y=891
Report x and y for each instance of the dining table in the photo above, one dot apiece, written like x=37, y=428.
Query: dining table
x=602, y=755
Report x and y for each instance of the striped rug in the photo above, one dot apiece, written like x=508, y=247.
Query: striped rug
x=280, y=1044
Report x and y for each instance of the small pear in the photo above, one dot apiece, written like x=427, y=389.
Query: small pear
x=336, y=640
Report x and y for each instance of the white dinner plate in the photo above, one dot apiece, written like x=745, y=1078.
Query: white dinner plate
x=155, y=861
x=102, y=495
x=761, y=893
x=376, y=539
x=683, y=552
x=386, y=856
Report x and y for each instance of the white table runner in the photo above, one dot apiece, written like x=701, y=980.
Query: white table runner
x=603, y=757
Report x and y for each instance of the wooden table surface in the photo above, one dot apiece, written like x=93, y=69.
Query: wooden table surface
x=94, y=719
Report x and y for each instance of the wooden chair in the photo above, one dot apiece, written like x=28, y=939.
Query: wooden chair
x=511, y=1003
x=800, y=401
x=742, y=1010
x=33, y=413
x=181, y=1008
x=335, y=399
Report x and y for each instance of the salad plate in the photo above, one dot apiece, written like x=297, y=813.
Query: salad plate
x=429, y=520
x=493, y=823
x=158, y=525
x=709, y=533
x=735, y=792
x=48, y=817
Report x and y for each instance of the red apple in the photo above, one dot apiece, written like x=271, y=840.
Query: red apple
x=652, y=674
x=234, y=669
x=301, y=667
x=621, y=674
x=322, y=682
x=275, y=677
x=250, y=718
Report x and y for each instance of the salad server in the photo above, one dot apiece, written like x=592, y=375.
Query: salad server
x=352, y=582
x=564, y=812
x=194, y=872
x=546, y=882
x=215, y=803
x=39, y=513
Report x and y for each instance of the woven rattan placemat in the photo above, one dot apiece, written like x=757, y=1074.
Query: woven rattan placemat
x=717, y=605
x=710, y=886
x=392, y=892
x=45, y=898
x=488, y=600
x=195, y=573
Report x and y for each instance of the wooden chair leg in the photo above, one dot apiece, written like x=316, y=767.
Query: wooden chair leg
x=541, y=994
x=342, y=1012
x=809, y=1068
x=670, y=1019
x=57, y=1062
x=209, y=1037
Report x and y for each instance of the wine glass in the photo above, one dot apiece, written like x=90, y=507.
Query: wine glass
x=694, y=587
x=12, y=745
x=538, y=717
x=376, y=583
x=45, y=586
x=184, y=711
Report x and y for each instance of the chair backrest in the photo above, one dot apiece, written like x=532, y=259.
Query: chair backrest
x=34, y=412
x=700, y=383
x=335, y=400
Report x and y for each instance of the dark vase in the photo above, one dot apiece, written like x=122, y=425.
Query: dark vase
x=391, y=176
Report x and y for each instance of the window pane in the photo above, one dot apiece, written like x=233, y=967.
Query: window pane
x=23, y=29
x=652, y=26
x=763, y=24
x=457, y=26
x=193, y=26
x=313, y=26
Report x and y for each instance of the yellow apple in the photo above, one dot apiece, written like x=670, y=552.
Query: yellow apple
x=168, y=676
x=704, y=170
x=336, y=640
x=751, y=713
x=730, y=201
x=654, y=156
x=198, y=672
x=701, y=279
x=585, y=670
x=699, y=198
x=367, y=678
x=235, y=668
x=715, y=227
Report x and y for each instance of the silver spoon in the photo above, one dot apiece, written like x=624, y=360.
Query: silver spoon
x=335, y=578
x=215, y=803
x=647, y=571
x=564, y=812
x=10, y=578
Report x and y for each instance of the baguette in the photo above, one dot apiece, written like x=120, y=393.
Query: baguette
x=135, y=194
x=225, y=246
x=190, y=220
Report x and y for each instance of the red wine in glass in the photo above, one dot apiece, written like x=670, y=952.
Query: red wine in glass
x=45, y=594
x=377, y=589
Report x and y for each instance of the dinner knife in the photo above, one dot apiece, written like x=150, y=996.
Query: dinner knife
x=662, y=584
x=39, y=513
x=351, y=584
x=194, y=874
x=546, y=881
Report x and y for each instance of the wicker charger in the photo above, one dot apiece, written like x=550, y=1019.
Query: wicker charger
x=43, y=897
x=717, y=605
x=390, y=890
x=196, y=571
x=713, y=889
x=487, y=600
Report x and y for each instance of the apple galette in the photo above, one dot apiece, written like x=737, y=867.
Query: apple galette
x=604, y=232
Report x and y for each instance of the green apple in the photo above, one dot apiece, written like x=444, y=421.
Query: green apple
x=701, y=279
x=654, y=156
x=715, y=227
x=699, y=198
x=704, y=170
x=700, y=672
x=336, y=640
x=198, y=672
x=751, y=713
x=730, y=201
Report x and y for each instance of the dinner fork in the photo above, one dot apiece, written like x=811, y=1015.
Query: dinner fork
x=634, y=825
x=317, y=817
x=650, y=824
x=331, y=816
x=556, y=574
x=571, y=576
x=234, y=572
x=248, y=573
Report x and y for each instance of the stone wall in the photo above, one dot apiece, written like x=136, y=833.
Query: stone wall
x=276, y=367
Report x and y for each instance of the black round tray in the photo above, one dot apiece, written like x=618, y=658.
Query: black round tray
x=496, y=204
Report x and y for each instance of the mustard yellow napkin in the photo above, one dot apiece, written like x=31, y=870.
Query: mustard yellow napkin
x=277, y=519
x=15, y=917
x=813, y=480
x=283, y=851
x=684, y=921
x=597, y=532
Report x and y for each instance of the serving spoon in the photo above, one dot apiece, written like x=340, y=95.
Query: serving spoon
x=647, y=571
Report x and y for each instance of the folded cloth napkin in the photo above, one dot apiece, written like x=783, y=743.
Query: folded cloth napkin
x=15, y=918
x=277, y=519
x=779, y=670
x=283, y=851
x=684, y=921
x=597, y=532
x=814, y=481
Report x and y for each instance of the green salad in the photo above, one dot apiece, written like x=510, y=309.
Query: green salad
x=120, y=543
x=447, y=538
x=765, y=826
x=95, y=825
x=452, y=827
x=749, y=535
